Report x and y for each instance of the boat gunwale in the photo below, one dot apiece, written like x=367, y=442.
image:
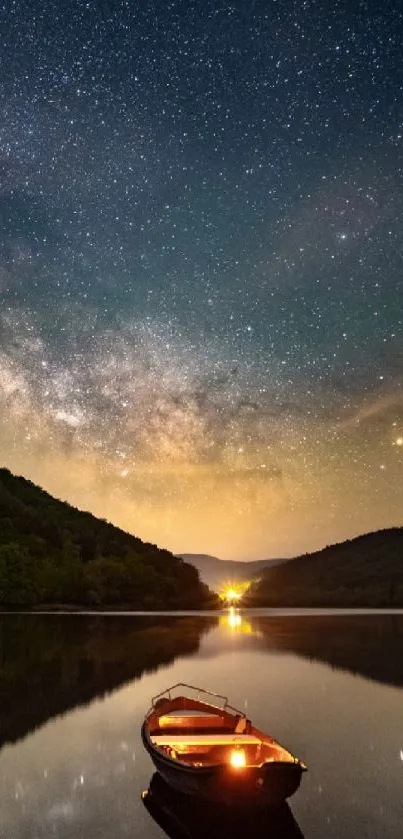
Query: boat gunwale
x=166, y=694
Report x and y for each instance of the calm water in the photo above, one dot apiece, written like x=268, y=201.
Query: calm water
x=74, y=690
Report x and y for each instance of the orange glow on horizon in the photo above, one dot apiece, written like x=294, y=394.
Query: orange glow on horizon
x=233, y=591
x=232, y=594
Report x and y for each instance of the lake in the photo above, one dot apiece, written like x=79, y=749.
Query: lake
x=74, y=690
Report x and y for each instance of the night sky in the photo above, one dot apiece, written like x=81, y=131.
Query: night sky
x=201, y=254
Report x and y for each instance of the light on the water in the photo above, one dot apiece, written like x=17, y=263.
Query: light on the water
x=234, y=619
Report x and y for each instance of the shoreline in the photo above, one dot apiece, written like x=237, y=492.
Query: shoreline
x=268, y=611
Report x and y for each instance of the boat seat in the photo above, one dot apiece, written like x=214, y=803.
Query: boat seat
x=191, y=721
x=205, y=740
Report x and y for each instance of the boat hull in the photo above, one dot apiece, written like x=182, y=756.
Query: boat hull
x=269, y=784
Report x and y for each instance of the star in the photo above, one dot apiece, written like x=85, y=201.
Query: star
x=200, y=269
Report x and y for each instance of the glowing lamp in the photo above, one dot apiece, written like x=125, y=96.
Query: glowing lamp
x=238, y=758
x=232, y=594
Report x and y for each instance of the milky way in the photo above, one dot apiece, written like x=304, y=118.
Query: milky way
x=201, y=274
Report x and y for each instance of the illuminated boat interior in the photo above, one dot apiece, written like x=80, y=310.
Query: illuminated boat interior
x=198, y=734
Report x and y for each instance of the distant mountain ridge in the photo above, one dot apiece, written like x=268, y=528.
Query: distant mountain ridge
x=214, y=571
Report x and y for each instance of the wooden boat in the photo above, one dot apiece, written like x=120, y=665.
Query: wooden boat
x=206, y=748
x=183, y=817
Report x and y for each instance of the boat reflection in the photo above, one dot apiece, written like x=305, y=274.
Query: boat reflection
x=184, y=817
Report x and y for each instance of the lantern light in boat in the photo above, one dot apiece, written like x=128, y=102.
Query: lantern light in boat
x=237, y=758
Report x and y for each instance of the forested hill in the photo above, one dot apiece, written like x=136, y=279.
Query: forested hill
x=51, y=552
x=365, y=571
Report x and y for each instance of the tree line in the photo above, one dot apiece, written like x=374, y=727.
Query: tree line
x=52, y=553
x=365, y=571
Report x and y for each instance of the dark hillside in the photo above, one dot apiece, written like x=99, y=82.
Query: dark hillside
x=366, y=571
x=51, y=552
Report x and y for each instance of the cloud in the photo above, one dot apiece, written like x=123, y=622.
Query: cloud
x=380, y=408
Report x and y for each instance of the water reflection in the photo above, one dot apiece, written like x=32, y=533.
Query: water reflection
x=367, y=645
x=184, y=817
x=53, y=663
x=233, y=621
x=81, y=774
x=50, y=664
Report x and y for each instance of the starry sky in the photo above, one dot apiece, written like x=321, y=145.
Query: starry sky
x=201, y=286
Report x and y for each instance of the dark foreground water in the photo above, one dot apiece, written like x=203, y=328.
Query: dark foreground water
x=74, y=690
